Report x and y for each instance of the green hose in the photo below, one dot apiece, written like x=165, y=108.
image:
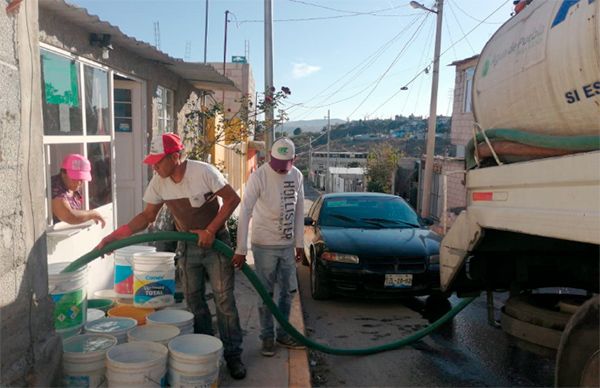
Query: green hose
x=227, y=251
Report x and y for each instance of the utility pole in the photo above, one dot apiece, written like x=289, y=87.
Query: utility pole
x=205, y=29
x=327, y=171
x=430, y=148
x=269, y=75
x=309, y=158
x=225, y=54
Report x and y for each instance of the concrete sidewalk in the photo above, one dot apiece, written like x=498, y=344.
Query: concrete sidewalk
x=288, y=368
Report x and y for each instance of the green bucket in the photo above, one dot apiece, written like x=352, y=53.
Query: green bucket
x=100, y=304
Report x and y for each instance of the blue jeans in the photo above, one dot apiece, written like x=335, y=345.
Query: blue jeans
x=197, y=265
x=275, y=266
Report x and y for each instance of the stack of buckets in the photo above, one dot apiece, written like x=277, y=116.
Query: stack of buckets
x=162, y=349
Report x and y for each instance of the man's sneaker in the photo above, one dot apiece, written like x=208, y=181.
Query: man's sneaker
x=268, y=347
x=290, y=343
x=236, y=367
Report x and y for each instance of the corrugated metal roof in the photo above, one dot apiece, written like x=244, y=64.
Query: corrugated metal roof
x=347, y=170
x=198, y=74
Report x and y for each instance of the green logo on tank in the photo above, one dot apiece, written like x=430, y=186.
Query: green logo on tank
x=486, y=68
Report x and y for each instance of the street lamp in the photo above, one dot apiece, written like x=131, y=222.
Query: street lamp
x=430, y=148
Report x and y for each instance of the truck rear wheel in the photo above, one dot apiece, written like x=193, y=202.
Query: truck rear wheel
x=578, y=357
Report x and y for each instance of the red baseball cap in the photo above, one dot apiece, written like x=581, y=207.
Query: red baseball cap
x=163, y=145
x=77, y=167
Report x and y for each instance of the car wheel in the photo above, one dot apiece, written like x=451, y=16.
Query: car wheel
x=436, y=305
x=319, y=289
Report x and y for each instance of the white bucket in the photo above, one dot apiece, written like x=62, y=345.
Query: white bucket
x=154, y=279
x=68, y=291
x=140, y=363
x=184, y=320
x=123, y=279
x=161, y=334
x=93, y=314
x=117, y=326
x=84, y=359
x=194, y=360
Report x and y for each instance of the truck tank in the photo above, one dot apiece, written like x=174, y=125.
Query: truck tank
x=540, y=72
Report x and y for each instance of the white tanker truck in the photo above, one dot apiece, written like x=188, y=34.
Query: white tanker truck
x=533, y=183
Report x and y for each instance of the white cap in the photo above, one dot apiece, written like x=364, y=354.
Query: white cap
x=283, y=149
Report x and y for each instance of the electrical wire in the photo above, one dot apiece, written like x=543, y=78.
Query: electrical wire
x=390, y=66
x=346, y=11
x=471, y=17
x=459, y=26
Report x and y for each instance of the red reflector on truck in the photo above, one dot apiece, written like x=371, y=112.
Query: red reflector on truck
x=483, y=196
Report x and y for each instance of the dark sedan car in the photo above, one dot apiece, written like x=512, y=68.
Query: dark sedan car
x=369, y=242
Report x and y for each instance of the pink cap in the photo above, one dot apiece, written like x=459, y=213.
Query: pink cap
x=163, y=145
x=77, y=167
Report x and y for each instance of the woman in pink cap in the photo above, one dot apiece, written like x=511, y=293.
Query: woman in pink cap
x=67, y=202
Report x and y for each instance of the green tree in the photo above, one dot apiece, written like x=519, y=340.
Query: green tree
x=297, y=131
x=381, y=164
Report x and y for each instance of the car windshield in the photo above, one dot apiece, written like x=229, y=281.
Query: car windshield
x=368, y=212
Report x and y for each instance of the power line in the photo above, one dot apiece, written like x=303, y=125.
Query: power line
x=346, y=11
x=459, y=26
x=390, y=66
x=471, y=17
x=362, y=66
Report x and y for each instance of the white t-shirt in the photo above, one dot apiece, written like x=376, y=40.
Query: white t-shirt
x=275, y=202
x=192, y=201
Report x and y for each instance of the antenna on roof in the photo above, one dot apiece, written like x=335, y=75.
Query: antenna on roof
x=188, y=50
x=157, y=35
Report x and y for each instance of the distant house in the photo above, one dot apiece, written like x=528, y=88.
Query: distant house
x=451, y=169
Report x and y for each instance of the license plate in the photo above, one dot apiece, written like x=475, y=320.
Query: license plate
x=393, y=280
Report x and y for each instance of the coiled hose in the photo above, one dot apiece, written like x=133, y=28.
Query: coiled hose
x=224, y=249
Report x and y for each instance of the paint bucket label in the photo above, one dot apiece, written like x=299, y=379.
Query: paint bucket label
x=68, y=309
x=123, y=279
x=152, y=290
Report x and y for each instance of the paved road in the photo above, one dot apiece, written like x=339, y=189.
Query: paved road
x=467, y=352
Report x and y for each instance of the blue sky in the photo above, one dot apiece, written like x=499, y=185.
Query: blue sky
x=349, y=56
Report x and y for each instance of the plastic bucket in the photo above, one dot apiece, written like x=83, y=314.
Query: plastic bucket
x=194, y=360
x=100, y=304
x=141, y=363
x=84, y=359
x=153, y=333
x=69, y=296
x=184, y=320
x=117, y=327
x=128, y=311
x=123, y=283
x=93, y=314
x=154, y=279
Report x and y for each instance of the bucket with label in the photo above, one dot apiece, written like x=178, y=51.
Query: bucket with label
x=68, y=291
x=129, y=311
x=84, y=359
x=154, y=279
x=194, y=360
x=117, y=327
x=153, y=333
x=123, y=284
x=184, y=320
x=142, y=363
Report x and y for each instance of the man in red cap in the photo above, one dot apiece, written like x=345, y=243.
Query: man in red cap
x=274, y=199
x=191, y=190
x=67, y=202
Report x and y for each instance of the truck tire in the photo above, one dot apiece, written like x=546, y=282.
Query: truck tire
x=578, y=357
x=540, y=309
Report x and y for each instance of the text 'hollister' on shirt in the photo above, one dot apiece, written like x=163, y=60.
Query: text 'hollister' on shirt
x=275, y=202
x=192, y=201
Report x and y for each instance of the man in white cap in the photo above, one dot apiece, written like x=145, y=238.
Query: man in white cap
x=191, y=190
x=274, y=199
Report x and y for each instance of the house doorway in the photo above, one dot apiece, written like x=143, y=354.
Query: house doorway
x=130, y=141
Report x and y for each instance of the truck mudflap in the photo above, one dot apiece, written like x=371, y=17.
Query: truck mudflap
x=462, y=238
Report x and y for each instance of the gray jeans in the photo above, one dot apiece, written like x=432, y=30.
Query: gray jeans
x=198, y=265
